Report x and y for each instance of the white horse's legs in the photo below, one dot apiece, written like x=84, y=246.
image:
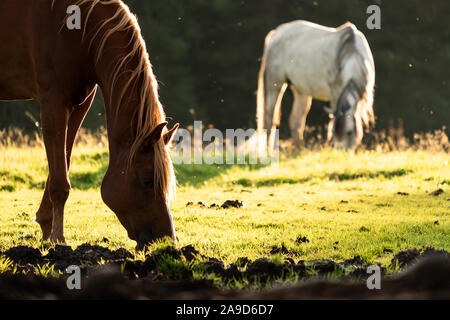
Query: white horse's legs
x=297, y=119
x=333, y=105
x=359, y=130
x=330, y=131
x=274, y=96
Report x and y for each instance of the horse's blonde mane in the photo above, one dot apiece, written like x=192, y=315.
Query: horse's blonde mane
x=149, y=112
x=365, y=73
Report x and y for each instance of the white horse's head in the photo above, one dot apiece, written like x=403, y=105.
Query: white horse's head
x=354, y=108
x=344, y=123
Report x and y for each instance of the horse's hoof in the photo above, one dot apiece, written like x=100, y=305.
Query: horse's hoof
x=57, y=240
x=46, y=231
x=45, y=237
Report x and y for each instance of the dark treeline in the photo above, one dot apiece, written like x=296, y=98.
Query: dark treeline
x=206, y=56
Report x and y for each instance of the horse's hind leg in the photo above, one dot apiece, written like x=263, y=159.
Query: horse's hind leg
x=44, y=215
x=273, y=97
x=297, y=119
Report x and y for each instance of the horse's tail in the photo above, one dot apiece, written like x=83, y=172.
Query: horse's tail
x=260, y=102
x=363, y=70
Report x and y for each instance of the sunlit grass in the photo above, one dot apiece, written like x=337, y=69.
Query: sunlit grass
x=344, y=204
x=6, y=265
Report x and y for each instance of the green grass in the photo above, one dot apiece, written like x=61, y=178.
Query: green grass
x=326, y=196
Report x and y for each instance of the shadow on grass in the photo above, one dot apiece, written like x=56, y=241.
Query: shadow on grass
x=334, y=176
x=270, y=182
x=12, y=181
x=196, y=175
x=387, y=174
x=91, y=179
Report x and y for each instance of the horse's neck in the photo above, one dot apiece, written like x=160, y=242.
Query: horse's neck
x=125, y=77
x=118, y=116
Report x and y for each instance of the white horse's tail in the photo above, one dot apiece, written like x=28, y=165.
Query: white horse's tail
x=260, y=101
x=363, y=71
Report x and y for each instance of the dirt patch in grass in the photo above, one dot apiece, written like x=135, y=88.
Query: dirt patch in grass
x=226, y=205
x=426, y=280
x=28, y=259
x=170, y=272
x=407, y=257
x=437, y=192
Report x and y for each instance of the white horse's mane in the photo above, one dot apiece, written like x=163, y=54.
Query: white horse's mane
x=363, y=75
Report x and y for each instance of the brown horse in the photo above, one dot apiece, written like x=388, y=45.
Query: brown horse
x=42, y=59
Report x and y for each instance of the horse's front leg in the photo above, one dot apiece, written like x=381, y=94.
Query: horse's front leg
x=44, y=215
x=55, y=117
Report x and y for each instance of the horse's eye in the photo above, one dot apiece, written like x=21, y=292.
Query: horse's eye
x=147, y=182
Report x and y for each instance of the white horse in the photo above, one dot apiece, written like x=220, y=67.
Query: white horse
x=328, y=64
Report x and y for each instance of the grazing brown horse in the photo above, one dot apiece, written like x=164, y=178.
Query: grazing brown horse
x=42, y=59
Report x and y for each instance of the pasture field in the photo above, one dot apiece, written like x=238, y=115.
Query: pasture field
x=314, y=205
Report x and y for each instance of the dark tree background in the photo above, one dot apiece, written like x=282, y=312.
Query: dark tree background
x=206, y=56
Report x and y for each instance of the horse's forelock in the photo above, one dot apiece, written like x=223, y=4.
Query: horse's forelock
x=339, y=125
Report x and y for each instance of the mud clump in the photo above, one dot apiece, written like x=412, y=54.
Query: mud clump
x=408, y=257
x=227, y=204
x=200, y=204
x=158, y=263
x=282, y=250
x=232, y=204
x=63, y=256
x=355, y=261
x=427, y=280
x=243, y=261
x=168, y=265
x=123, y=277
x=213, y=266
x=263, y=269
x=437, y=192
x=322, y=266
x=23, y=255
x=301, y=240
x=190, y=253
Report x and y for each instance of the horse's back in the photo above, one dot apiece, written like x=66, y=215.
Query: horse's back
x=15, y=60
x=306, y=55
x=38, y=56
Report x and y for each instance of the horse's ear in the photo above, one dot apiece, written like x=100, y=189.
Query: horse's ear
x=155, y=135
x=169, y=135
